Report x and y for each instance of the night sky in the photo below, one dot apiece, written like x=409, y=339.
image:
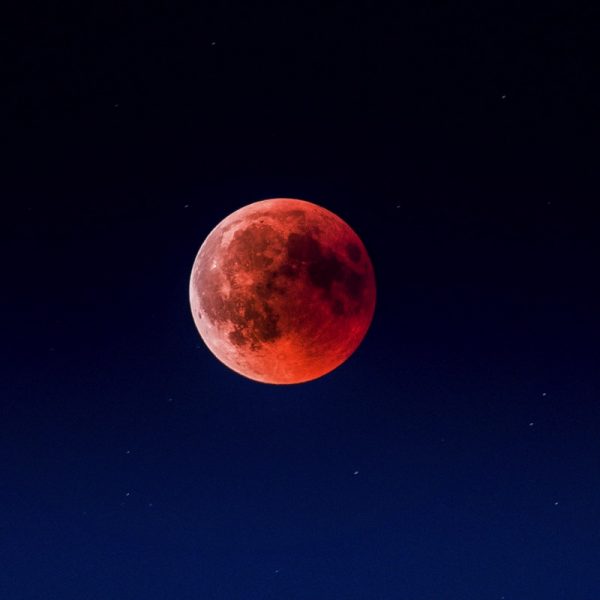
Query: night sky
x=454, y=456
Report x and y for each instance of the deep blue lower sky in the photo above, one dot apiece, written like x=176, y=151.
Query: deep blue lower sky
x=456, y=455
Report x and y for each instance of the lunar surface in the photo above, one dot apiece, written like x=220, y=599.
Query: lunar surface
x=282, y=291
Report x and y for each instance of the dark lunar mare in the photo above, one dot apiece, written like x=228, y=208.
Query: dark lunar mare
x=253, y=316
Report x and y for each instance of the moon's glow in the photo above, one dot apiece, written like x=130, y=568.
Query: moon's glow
x=282, y=291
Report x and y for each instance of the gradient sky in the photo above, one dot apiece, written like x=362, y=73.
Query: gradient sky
x=456, y=455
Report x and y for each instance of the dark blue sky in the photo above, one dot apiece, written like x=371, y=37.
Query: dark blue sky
x=455, y=455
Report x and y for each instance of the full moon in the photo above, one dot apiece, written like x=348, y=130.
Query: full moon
x=282, y=291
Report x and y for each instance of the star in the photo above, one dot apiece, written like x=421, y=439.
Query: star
x=355, y=473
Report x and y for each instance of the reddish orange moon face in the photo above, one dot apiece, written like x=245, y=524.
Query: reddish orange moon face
x=282, y=291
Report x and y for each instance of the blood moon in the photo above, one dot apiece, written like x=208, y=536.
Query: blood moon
x=282, y=291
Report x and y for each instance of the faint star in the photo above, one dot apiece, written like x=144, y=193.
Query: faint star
x=556, y=503
x=503, y=96
x=276, y=570
x=186, y=206
x=128, y=494
x=531, y=424
x=213, y=43
x=544, y=394
x=115, y=106
x=355, y=473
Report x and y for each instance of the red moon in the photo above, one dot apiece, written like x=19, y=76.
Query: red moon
x=282, y=291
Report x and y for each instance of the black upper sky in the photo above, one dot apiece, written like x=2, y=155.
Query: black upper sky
x=456, y=455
